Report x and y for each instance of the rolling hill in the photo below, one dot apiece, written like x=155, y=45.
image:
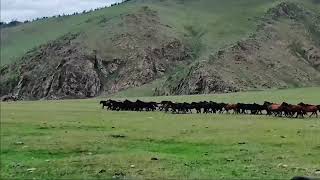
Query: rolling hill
x=168, y=47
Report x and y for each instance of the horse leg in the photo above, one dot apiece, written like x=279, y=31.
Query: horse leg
x=311, y=114
x=300, y=113
x=288, y=114
x=268, y=113
x=279, y=113
x=314, y=113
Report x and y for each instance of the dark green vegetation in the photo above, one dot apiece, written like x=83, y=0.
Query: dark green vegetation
x=165, y=47
x=77, y=139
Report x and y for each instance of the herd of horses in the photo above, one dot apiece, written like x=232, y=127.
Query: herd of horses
x=281, y=110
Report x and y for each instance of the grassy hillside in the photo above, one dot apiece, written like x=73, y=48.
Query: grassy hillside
x=222, y=22
x=75, y=139
x=283, y=52
x=218, y=22
x=18, y=40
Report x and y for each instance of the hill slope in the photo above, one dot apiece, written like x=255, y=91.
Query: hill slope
x=139, y=42
x=284, y=52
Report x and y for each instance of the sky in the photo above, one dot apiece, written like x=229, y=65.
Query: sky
x=22, y=10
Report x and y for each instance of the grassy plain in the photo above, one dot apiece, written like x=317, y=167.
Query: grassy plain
x=76, y=139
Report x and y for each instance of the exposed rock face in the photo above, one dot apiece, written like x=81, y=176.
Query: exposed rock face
x=58, y=70
x=154, y=63
x=67, y=69
x=288, y=10
x=74, y=80
x=61, y=70
x=206, y=81
x=199, y=79
x=145, y=51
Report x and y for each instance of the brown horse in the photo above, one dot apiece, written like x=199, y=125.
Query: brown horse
x=273, y=108
x=291, y=110
x=309, y=108
x=233, y=107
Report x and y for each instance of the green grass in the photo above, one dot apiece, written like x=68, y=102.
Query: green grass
x=310, y=95
x=71, y=139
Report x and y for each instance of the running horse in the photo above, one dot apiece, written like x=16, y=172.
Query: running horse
x=233, y=107
x=291, y=110
x=309, y=108
x=273, y=108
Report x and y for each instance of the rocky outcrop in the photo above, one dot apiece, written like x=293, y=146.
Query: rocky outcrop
x=56, y=71
x=65, y=69
x=154, y=63
x=198, y=79
x=61, y=70
x=287, y=9
x=74, y=79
